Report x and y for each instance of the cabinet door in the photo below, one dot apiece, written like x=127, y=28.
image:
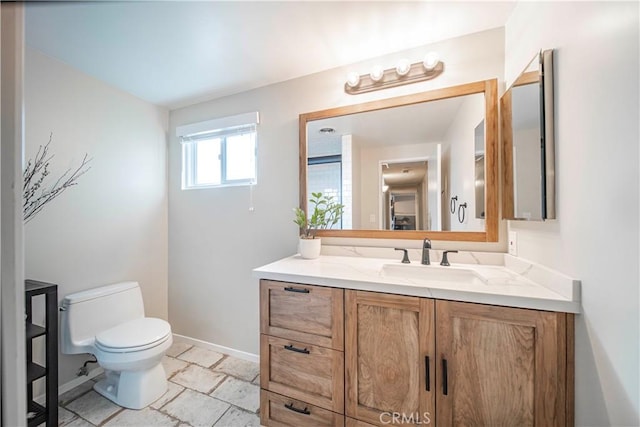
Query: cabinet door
x=306, y=313
x=389, y=358
x=499, y=366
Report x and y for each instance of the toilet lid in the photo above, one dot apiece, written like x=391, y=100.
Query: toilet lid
x=134, y=333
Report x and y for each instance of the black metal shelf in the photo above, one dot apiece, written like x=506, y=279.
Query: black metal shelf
x=34, y=331
x=35, y=371
x=38, y=414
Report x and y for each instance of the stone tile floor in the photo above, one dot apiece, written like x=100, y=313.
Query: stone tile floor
x=206, y=388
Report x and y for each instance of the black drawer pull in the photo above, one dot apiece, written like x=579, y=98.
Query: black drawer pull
x=445, y=386
x=297, y=350
x=427, y=373
x=290, y=407
x=298, y=290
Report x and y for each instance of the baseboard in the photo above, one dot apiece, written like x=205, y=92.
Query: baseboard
x=219, y=348
x=71, y=384
x=176, y=338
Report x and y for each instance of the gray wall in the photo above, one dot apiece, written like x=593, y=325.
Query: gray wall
x=112, y=226
x=595, y=237
x=214, y=238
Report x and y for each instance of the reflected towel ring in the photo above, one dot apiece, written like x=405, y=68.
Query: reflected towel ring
x=462, y=211
x=452, y=204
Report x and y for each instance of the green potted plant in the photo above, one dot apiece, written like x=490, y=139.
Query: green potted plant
x=325, y=212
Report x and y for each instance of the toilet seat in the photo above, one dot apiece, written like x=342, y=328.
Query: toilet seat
x=134, y=335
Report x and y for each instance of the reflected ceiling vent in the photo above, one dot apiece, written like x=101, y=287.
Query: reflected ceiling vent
x=327, y=131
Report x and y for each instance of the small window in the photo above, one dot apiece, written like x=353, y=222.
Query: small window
x=219, y=152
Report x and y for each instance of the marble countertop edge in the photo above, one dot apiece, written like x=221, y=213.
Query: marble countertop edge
x=549, y=291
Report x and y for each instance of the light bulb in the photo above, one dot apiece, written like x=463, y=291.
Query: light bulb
x=403, y=67
x=430, y=61
x=376, y=73
x=353, y=79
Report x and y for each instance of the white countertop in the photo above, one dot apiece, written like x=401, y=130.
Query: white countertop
x=515, y=283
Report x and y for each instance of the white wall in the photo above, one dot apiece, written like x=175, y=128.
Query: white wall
x=595, y=237
x=112, y=226
x=459, y=148
x=434, y=188
x=215, y=240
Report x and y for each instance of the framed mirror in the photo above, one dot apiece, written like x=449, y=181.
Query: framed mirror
x=411, y=167
x=528, y=145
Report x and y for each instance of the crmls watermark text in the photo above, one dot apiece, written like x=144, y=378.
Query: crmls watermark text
x=404, y=418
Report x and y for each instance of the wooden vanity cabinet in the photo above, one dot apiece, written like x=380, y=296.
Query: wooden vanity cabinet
x=301, y=354
x=449, y=363
x=358, y=358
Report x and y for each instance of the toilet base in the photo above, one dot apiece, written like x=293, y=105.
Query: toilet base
x=133, y=389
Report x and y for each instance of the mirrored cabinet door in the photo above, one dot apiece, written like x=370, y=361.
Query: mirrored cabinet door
x=528, y=143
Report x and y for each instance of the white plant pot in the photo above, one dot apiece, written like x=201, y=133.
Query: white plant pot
x=309, y=248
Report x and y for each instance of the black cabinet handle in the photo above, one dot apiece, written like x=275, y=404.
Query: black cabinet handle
x=445, y=386
x=290, y=407
x=297, y=350
x=298, y=290
x=427, y=373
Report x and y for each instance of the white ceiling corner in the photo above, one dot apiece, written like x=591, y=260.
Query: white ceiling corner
x=173, y=53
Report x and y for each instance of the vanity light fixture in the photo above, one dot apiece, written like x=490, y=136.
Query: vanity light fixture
x=430, y=61
x=353, y=79
x=376, y=74
x=403, y=67
x=403, y=73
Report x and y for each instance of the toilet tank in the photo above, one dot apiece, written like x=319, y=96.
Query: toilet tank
x=87, y=313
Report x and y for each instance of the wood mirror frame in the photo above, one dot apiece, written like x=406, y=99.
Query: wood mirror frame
x=490, y=90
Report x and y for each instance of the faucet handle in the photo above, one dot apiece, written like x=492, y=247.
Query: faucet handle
x=405, y=257
x=445, y=259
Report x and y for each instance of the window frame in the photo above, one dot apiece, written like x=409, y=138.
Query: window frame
x=222, y=130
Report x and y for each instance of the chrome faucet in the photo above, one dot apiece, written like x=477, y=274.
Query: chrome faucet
x=426, y=245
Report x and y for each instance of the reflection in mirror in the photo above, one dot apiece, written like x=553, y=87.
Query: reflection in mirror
x=479, y=169
x=397, y=164
x=406, y=199
x=355, y=158
x=527, y=131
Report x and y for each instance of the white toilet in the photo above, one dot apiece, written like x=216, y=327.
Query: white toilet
x=109, y=323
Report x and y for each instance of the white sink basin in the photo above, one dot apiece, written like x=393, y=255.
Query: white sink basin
x=430, y=274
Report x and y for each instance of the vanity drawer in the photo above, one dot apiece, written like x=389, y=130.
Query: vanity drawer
x=306, y=313
x=303, y=371
x=277, y=410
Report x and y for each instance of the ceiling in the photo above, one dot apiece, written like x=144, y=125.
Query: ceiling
x=176, y=53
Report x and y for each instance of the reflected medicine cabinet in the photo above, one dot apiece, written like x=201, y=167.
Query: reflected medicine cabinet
x=528, y=143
